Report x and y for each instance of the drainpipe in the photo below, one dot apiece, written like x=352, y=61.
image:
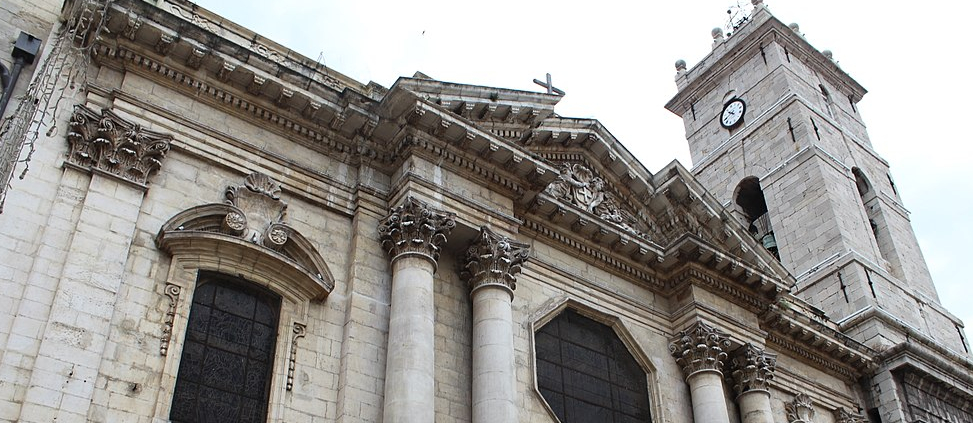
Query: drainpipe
x=25, y=50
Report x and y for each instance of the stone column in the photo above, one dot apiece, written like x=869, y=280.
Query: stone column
x=753, y=368
x=412, y=235
x=701, y=350
x=491, y=265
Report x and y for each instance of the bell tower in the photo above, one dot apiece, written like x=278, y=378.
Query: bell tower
x=775, y=134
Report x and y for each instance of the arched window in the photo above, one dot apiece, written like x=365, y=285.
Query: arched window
x=751, y=200
x=866, y=195
x=224, y=372
x=587, y=374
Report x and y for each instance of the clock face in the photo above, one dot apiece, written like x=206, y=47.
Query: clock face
x=733, y=113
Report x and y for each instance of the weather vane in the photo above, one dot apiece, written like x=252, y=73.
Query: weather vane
x=737, y=14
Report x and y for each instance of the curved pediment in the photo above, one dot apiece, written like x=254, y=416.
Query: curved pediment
x=247, y=235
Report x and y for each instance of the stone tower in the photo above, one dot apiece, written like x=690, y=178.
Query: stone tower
x=775, y=134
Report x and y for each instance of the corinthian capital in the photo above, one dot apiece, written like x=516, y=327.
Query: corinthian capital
x=106, y=142
x=753, y=368
x=414, y=228
x=494, y=260
x=701, y=347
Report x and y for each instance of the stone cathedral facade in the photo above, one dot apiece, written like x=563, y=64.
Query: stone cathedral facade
x=215, y=228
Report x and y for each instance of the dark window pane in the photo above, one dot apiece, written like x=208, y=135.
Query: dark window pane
x=586, y=373
x=224, y=373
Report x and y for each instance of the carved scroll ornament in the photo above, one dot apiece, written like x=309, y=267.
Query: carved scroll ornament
x=300, y=330
x=415, y=228
x=172, y=293
x=494, y=260
x=701, y=347
x=106, y=142
x=753, y=368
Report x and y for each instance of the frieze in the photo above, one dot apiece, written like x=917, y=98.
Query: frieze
x=414, y=228
x=106, y=142
x=699, y=348
x=494, y=259
x=753, y=368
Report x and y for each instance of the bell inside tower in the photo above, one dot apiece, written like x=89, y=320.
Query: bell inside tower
x=750, y=199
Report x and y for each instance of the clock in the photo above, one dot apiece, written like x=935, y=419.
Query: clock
x=732, y=115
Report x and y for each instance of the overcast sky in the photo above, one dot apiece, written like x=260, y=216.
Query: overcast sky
x=615, y=61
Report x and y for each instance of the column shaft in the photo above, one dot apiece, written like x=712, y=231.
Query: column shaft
x=755, y=407
x=709, y=402
x=410, y=390
x=494, y=387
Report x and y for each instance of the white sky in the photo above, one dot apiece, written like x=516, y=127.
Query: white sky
x=615, y=61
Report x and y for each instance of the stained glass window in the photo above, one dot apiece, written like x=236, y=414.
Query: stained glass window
x=586, y=373
x=224, y=374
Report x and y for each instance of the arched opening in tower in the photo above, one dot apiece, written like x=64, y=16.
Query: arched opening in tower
x=750, y=199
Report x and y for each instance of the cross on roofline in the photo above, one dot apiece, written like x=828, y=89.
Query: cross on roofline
x=550, y=87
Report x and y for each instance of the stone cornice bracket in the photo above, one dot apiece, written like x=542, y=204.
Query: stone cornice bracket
x=415, y=229
x=753, y=368
x=494, y=259
x=844, y=416
x=800, y=410
x=700, y=348
x=106, y=142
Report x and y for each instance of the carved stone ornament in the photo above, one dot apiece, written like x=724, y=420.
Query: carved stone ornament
x=701, y=347
x=578, y=185
x=300, y=330
x=249, y=224
x=109, y=143
x=494, y=260
x=753, y=368
x=172, y=293
x=261, y=212
x=800, y=410
x=844, y=416
x=414, y=228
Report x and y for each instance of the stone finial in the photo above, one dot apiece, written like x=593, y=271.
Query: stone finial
x=494, y=260
x=414, y=228
x=753, y=368
x=844, y=416
x=106, y=142
x=800, y=410
x=757, y=3
x=828, y=54
x=701, y=347
x=680, y=65
x=717, y=34
x=796, y=28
